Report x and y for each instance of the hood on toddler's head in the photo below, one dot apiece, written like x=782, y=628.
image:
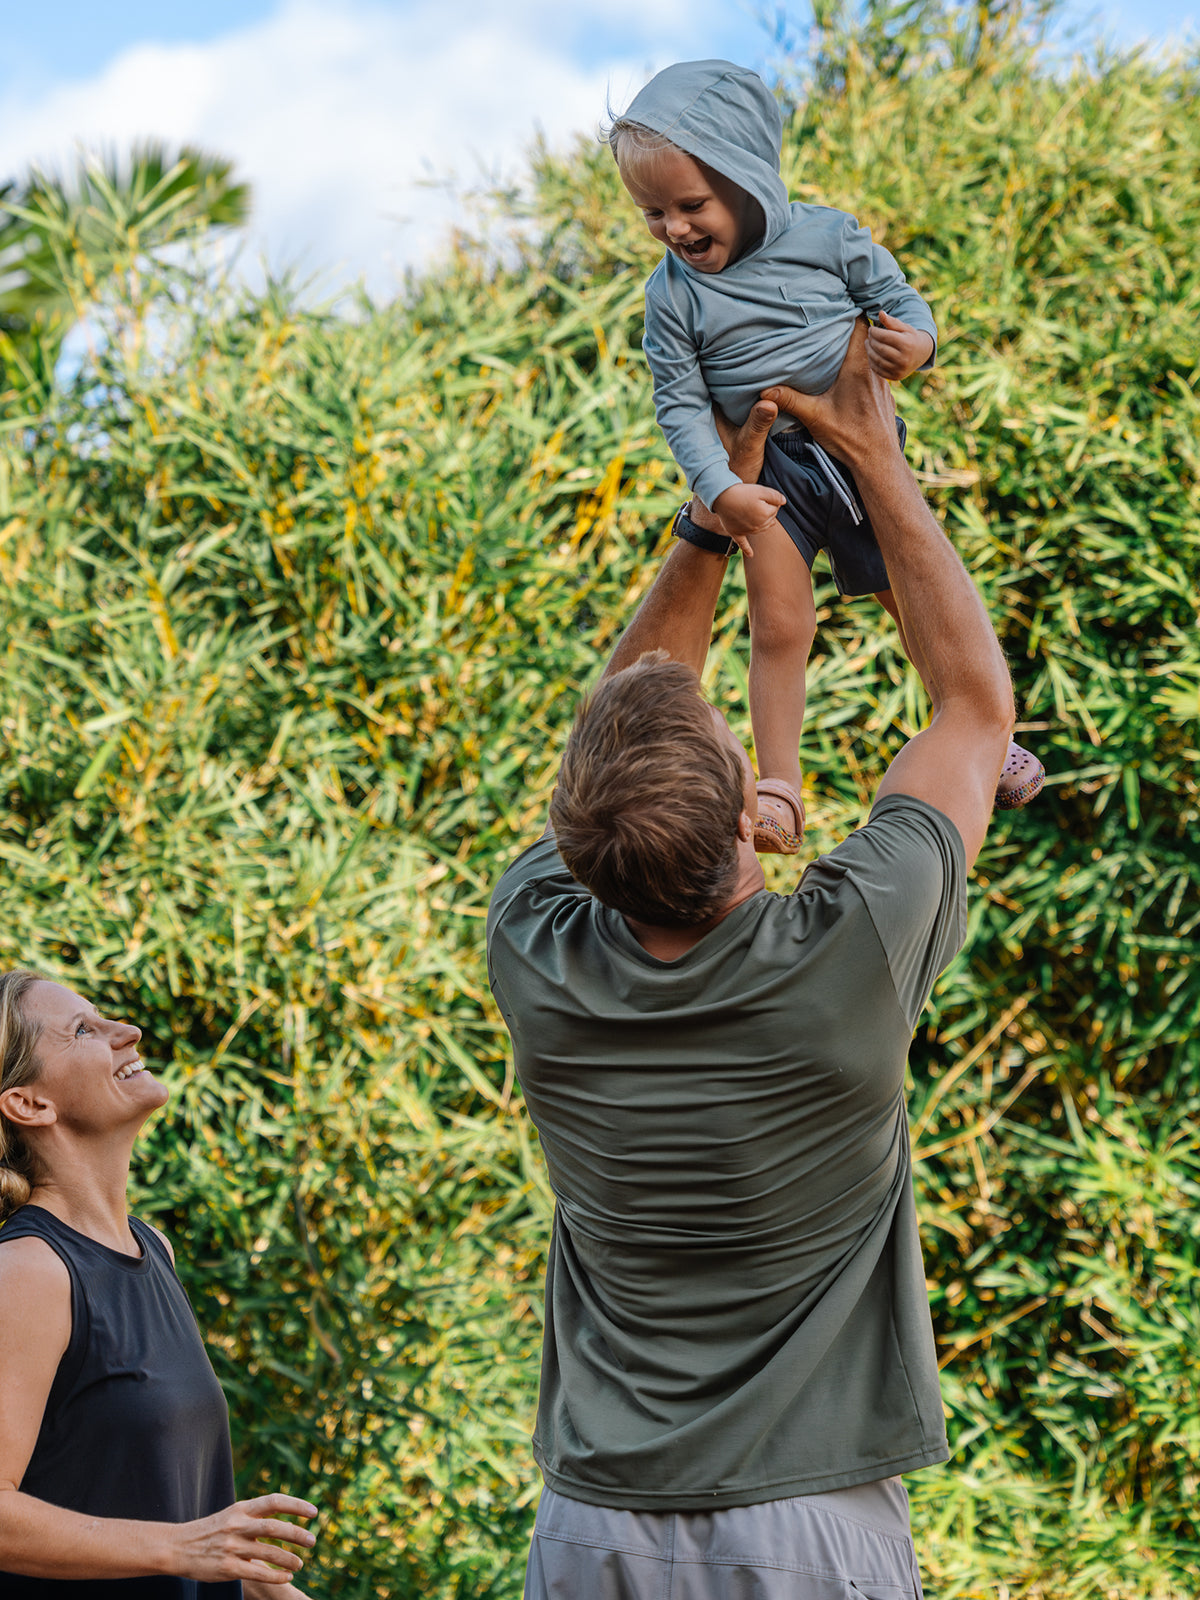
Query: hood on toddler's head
x=726, y=117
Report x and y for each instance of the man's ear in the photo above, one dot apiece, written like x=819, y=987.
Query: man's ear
x=26, y=1107
x=745, y=827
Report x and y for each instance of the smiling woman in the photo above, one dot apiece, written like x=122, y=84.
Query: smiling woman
x=115, y=1460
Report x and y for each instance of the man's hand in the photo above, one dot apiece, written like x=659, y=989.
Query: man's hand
x=855, y=419
x=895, y=349
x=746, y=509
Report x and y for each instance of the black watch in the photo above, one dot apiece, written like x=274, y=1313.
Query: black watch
x=684, y=528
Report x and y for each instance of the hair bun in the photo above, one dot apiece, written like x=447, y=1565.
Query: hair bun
x=14, y=1192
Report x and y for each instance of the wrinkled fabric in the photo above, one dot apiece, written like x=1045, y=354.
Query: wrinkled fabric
x=735, y=1298
x=851, y=1543
x=783, y=312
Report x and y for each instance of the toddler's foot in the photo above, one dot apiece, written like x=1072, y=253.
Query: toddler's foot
x=1021, y=779
x=780, y=825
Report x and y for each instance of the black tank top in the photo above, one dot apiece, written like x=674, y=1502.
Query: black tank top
x=136, y=1424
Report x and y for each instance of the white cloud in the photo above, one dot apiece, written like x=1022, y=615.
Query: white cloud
x=336, y=112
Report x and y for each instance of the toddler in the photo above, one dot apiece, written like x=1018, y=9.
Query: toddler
x=754, y=291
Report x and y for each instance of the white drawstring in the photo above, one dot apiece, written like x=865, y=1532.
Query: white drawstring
x=837, y=483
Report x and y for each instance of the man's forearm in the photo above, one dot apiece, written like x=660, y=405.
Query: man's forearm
x=952, y=642
x=944, y=622
x=677, y=614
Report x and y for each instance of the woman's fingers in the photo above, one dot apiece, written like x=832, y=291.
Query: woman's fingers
x=276, y=1505
x=288, y=1532
x=257, y=1572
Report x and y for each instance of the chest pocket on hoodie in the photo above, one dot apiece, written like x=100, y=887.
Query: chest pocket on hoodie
x=815, y=295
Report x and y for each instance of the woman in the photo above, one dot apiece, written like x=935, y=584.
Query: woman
x=116, y=1477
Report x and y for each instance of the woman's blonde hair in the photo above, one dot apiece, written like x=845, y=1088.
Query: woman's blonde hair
x=18, y=1066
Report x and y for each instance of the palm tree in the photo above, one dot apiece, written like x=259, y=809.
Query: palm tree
x=62, y=242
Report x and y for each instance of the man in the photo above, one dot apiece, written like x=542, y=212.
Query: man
x=738, y=1359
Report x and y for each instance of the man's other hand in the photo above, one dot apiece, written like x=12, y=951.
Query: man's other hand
x=855, y=419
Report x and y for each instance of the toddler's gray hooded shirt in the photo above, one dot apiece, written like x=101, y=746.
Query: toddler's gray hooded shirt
x=783, y=312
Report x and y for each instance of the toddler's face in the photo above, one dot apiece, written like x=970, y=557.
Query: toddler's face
x=700, y=215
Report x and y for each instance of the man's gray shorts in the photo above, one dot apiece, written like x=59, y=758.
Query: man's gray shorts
x=843, y=1545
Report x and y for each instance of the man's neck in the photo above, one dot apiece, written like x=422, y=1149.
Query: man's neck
x=669, y=944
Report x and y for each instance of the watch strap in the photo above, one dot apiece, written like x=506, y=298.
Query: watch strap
x=684, y=528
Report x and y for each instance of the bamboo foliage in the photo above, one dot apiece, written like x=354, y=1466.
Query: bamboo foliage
x=296, y=609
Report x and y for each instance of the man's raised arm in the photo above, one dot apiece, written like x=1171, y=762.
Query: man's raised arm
x=954, y=763
x=677, y=614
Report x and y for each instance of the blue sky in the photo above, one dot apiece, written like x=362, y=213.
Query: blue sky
x=51, y=41
x=357, y=120
x=70, y=39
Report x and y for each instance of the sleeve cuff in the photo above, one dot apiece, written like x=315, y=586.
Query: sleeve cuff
x=713, y=481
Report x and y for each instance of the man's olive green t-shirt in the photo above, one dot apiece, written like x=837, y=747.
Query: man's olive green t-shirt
x=735, y=1298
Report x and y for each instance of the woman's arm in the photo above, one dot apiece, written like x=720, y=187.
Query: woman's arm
x=40, y=1540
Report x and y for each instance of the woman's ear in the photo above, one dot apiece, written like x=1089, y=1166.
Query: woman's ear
x=27, y=1107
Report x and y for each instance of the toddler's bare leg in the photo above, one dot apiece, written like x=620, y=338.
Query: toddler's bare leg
x=783, y=623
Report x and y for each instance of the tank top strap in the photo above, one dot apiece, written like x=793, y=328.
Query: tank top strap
x=152, y=1242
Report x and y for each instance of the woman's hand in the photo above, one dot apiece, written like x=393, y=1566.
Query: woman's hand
x=230, y=1544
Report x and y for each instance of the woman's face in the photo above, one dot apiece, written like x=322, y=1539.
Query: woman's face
x=89, y=1068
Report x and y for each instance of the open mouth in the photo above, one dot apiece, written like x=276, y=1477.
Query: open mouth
x=129, y=1070
x=698, y=247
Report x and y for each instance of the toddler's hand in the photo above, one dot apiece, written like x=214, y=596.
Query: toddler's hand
x=747, y=509
x=895, y=349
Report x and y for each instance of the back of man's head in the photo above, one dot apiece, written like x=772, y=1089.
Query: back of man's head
x=646, y=808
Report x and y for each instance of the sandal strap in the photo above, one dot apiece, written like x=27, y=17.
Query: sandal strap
x=779, y=789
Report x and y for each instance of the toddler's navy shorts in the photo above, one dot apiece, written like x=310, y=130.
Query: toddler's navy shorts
x=825, y=511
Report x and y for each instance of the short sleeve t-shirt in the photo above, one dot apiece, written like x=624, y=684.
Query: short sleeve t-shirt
x=735, y=1297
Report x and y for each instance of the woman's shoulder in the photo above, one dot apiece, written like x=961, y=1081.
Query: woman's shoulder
x=36, y=1320
x=33, y=1276
x=30, y=1233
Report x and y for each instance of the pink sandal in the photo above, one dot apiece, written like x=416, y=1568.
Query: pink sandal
x=1021, y=779
x=770, y=835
